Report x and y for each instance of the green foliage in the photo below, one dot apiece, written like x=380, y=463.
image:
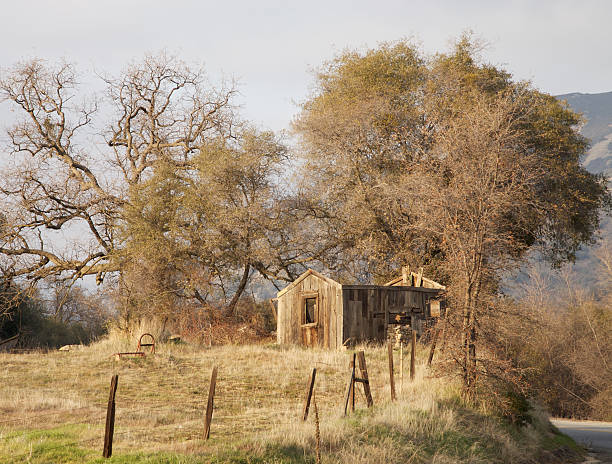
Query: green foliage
x=517, y=411
x=378, y=115
x=27, y=316
x=41, y=331
x=194, y=228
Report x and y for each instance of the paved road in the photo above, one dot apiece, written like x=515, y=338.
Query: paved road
x=596, y=436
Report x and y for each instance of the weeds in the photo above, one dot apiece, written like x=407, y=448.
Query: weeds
x=58, y=401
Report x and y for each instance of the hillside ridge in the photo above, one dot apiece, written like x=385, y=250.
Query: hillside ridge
x=597, y=111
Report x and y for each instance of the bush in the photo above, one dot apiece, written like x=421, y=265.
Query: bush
x=252, y=322
x=27, y=316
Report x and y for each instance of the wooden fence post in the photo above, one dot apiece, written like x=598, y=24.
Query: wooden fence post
x=412, y=354
x=353, y=366
x=391, y=377
x=311, y=383
x=401, y=366
x=443, y=348
x=364, y=378
x=210, y=404
x=433, y=346
x=350, y=393
x=317, y=433
x=110, y=419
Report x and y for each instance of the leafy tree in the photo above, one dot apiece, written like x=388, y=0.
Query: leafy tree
x=446, y=162
x=28, y=321
x=201, y=229
x=359, y=130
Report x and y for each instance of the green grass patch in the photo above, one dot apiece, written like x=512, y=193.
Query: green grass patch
x=560, y=440
x=58, y=445
x=55, y=404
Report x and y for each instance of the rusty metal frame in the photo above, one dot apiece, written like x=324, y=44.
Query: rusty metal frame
x=152, y=344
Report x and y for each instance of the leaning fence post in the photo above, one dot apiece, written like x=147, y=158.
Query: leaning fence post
x=391, y=378
x=210, y=404
x=364, y=378
x=350, y=393
x=412, y=354
x=110, y=419
x=433, y=346
x=311, y=383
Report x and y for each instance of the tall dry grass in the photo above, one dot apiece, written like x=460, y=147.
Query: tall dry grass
x=260, y=392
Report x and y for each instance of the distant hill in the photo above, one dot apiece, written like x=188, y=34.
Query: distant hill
x=597, y=110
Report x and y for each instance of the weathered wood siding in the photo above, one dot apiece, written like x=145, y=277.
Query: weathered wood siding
x=368, y=309
x=328, y=330
x=347, y=313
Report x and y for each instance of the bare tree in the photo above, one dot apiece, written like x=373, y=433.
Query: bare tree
x=477, y=191
x=559, y=338
x=55, y=181
x=48, y=182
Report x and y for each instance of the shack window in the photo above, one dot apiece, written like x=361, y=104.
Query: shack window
x=310, y=310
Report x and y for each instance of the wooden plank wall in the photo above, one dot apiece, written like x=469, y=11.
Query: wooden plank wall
x=369, y=309
x=329, y=319
x=355, y=312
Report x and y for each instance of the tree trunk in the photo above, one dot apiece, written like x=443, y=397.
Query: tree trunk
x=229, y=311
x=465, y=344
x=468, y=339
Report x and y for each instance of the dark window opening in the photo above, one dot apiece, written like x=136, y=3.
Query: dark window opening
x=310, y=307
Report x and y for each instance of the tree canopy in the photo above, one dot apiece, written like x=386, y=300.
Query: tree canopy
x=441, y=161
x=177, y=194
x=447, y=163
x=378, y=118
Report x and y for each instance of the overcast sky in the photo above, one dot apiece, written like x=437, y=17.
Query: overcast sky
x=561, y=46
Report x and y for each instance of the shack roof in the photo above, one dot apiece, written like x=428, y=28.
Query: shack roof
x=391, y=287
x=431, y=283
x=434, y=286
x=302, y=277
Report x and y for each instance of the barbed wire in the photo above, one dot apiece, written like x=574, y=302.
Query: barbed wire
x=122, y=409
x=241, y=420
x=37, y=415
x=250, y=415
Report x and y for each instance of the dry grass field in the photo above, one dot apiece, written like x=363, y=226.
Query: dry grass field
x=53, y=406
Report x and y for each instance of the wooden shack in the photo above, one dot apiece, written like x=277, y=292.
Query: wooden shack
x=317, y=311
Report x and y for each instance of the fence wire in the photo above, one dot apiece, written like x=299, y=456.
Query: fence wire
x=237, y=411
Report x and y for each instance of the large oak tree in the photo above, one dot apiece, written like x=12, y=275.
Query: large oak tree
x=159, y=181
x=446, y=162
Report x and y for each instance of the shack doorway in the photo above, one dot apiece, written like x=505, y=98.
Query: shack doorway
x=310, y=318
